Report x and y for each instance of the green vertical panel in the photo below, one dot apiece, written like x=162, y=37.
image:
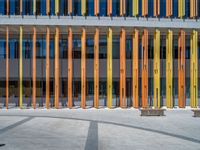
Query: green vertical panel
x=34, y=7
x=20, y=68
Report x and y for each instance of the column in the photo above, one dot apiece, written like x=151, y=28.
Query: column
x=144, y=8
x=48, y=7
x=156, y=69
x=122, y=7
x=181, y=8
x=47, y=67
x=181, y=69
x=194, y=69
x=57, y=7
x=7, y=66
x=193, y=8
x=34, y=69
x=70, y=68
x=109, y=68
x=96, y=68
x=83, y=68
x=145, y=68
x=96, y=7
x=135, y=69
x=57, y=70
x=169, y=69
x=109, y=7
x=20, y=68
x=69, y=7
x=83, y=7
x=123, y=68
x=169, y=8
x=135, y=10
x=156, y=9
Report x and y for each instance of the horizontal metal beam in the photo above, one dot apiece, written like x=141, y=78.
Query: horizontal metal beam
x=102, y=21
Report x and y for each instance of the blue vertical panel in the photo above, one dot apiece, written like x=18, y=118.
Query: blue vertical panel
x=52, y=7
x=129, y=9
x=2, y=48
x=43, y=7
x=150, y=8
x=2, y=4
x=90, y=7
x=114, y=9
x=76, y=8
x=103, y=8
x=51, y=48
x=162, y=8
x=175, y=8
x=187, y=8
x=23, y=7
x=12, y=7
x=140, y=8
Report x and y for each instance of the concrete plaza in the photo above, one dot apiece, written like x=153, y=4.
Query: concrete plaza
x=93, y=129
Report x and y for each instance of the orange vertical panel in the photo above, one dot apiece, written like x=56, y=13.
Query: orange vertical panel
x=144, y=8
x=34, y=69
x=83, y=68
x=181, y=69
x=135, y=68
x=47, y=67
x=96, y=7
x=96, y=68
x=7, y=7
x=109, y=7
x=193, y=8
x=69, y=7
x=156, y=8
x=70, y=67
x=57, y=70
x=145, y=68
x=123, y=68
x=168, y=8
x=122, y=7
x=7, y=66
x=20, y=7
x=48, y=7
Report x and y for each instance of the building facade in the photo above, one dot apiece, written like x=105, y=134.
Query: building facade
x=94, y=53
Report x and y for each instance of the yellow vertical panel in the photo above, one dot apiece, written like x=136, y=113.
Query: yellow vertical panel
x=83, y=68
x=57, y=7
x=34, y=7
x=109, y=68
x=20, y=68
x=169, y=69
x=194, y=69
x=135, y=7
x=83, y=7
x=181, y=8
x=157, y=69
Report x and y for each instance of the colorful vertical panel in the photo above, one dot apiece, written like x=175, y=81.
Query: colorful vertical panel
x=144, y=8
x=83, y=68
x=135, y=8
x=48, y=7
x=7, y=66
x=122, y=7
x=168, y=8
x=57, y=7
x=34, y=69
x=57, y=70
x=70, y=7
x=193, y=8
x=109, y=7
x=20, y=68
x=47, y=67
x=34, y=7
x=20, y=6
x=156, y=69
x=83, y=7
x=123, y=68
x=169, y=69
x=135, y=68
x=181, y=8
x=96, y=68
x=194, y=69
x=70, y=67
x=156, y=8
x=145, y=69
x=96, y=7
x=181, y=69
x=7, y=7
x=109, y=68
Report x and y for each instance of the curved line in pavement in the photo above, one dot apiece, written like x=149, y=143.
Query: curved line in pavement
x=117, y=124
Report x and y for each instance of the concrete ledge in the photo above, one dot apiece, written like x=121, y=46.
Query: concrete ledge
x=196, y=112
x=152, y=112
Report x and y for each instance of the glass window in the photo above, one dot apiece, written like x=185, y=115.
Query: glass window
x=63, y=48
x=2, y=7
x=140, y=8
x=13, y=48
x=52, y=47
x=175, y=8
x=2, y=48
x=90, y=48
x=76, y=7
x=187, y=8
x=52, y=7
x=129, y=5
x=115, y=8
x=162, y=8
x=103, y=8
x=40, y=48
x=163, y=47
x=27, y=7
x=102, y=47
x=128, y=48
x=150, y=8
x=116, y=47
x=76, y=47
x=63, y=7
x=151, y=47
x=90, y=7
x=27, y=48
